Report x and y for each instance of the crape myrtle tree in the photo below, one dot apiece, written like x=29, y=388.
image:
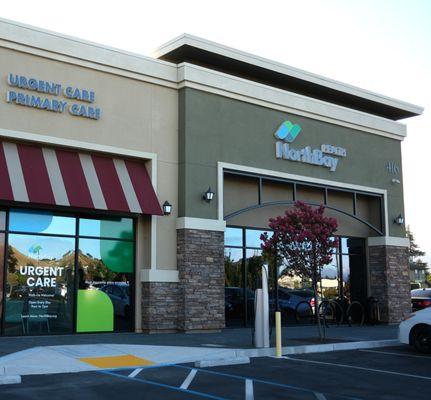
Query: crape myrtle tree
x=303, y=241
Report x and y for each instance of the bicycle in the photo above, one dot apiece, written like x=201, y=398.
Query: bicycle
x=331, y=312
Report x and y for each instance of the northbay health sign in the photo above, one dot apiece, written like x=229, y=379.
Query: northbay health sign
x=327, y=156
x=51, y=96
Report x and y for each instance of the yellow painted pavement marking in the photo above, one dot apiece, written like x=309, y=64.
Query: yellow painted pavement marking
x=126, y=360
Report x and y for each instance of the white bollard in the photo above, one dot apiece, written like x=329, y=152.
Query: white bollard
x=261, y=318
x=258, y=319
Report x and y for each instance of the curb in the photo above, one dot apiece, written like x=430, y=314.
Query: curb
x=223, y=356
x=222, y=361
x=10, y=379
x=318, y=348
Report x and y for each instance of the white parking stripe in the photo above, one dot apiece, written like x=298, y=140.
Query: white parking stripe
x=249, y=389
x=189, y=379
x=396, y=354
x=135, y=372
x=360, y=368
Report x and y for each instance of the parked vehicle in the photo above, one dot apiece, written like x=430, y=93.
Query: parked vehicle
x=289, y=299
x=421, y=298
x=415, y=330
x=119, y=293
x=234, y=302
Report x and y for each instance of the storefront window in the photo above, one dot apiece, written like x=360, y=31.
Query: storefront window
x=2, y=273
x=39, y=297
x=352, y=246
x=344, y=277
x=105, y=274
x=58, y=280
x=329, y=284
x=2, y=220
x=243, y=271
x=253, y=238
x=233, y=237
x=234, y=286
x=355, y=277
x=41, y=222
x=119, y=228
x=254, y=263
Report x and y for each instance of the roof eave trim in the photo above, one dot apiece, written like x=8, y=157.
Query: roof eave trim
x=228, y=52
x=37, y=38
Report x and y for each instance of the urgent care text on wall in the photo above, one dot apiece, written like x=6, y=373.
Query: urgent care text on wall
x=57, y=104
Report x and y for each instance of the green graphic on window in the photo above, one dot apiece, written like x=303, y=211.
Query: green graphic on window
x=95, y=312
x=101, y=255
x=116, y=255
x=119, y=228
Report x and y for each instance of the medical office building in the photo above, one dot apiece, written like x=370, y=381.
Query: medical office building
x=95, y=142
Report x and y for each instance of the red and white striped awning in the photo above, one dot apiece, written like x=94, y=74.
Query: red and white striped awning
x=43, y=175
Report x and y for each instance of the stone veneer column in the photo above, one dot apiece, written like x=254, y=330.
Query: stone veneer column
x=160, y=306
x=200, y=261
x=389, y=281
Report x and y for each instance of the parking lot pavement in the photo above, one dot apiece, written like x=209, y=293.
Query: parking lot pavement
x=386, y=373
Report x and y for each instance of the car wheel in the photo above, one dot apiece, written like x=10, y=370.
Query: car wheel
x=422, y=339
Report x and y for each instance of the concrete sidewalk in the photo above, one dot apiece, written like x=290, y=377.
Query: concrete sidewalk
x=77, y=353
x=240, y=338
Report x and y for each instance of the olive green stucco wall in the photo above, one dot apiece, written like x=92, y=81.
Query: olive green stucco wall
x=214, y=128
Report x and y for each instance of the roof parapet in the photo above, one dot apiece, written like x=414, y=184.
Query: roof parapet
x=195, y=50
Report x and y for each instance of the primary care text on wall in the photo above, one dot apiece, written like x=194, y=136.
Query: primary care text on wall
x=67, y=98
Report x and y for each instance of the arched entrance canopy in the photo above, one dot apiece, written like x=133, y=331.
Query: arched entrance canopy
x=291, y=202
x=245, y=192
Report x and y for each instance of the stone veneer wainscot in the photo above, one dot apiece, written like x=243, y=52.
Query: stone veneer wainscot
x=200, y=255
x=389, y=281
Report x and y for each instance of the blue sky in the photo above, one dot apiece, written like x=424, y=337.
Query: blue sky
x=381, y=45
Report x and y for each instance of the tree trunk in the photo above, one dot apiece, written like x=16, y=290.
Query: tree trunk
x=316, y=309
x=316, y=295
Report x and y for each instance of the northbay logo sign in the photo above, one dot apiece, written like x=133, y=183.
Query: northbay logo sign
x=326, y=156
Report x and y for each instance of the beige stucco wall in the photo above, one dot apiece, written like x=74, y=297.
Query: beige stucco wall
x=136, y=116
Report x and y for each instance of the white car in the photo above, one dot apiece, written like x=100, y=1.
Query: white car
x=416, y=330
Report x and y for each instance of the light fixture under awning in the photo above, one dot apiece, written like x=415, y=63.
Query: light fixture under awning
x=43, y=175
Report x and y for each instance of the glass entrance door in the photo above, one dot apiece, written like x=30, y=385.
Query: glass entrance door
x=344, y=279
x=105, y=275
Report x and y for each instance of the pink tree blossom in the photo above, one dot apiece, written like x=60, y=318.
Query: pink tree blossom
x=303, y=240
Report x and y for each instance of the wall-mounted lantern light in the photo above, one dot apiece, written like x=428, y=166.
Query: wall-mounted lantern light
x=399, y=220
x=208, y=195
x=167, y=208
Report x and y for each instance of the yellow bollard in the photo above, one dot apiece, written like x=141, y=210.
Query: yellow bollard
x=278, y=334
